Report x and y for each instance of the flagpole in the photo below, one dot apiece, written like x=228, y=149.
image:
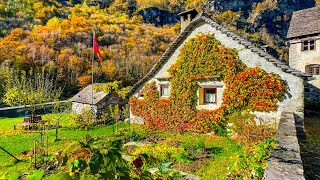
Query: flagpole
x=92, y=65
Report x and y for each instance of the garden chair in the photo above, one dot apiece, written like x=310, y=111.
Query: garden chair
x=26, y=123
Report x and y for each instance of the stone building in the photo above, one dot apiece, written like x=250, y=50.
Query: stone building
x=303, y=37
x=212, y=90
x=100, y=102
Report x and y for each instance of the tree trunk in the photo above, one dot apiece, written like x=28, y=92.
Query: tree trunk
x=57, y=128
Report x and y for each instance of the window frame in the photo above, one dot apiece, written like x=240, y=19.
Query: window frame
x=215, y=95
x=306, y=45
x=313, y=69
x=140, y=94
x=162, y=86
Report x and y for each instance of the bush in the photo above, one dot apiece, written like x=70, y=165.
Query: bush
x=251, y=162
x=83, y=120
x=246, y=132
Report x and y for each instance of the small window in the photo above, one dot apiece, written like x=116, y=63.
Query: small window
x=210, y=95
x=313, y=69
x=312, y=45
x=308, y=45
x=140, y=94
x=164, y=90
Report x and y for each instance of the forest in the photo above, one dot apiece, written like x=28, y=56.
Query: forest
x=56, y=36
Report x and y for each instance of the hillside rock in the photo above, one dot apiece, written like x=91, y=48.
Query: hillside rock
x=158, y=17
x=246, y=5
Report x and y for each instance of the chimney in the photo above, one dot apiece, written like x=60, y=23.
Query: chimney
x=186, y=17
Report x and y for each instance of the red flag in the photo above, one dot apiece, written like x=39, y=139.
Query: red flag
x=96, y=47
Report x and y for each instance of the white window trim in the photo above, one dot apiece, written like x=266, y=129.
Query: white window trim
x=160, y=90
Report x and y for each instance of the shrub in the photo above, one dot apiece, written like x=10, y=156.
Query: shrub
x=251, y=162
x=247, y=132
x=83, y=120
x=164, y=152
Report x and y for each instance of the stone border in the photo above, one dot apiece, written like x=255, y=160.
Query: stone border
x=285, y=161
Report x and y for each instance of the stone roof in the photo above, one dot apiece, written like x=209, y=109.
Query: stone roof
x=84, y=96
x=305, y=22
x=192, y=11
x=205, y=18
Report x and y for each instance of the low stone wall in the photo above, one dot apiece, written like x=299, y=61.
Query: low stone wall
x=18, y=111
x=285, y=161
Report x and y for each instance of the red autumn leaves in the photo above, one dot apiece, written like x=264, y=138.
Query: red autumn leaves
x=245, y=89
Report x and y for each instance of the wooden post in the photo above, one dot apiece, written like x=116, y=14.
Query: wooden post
x=35, y=153
x=47, y=153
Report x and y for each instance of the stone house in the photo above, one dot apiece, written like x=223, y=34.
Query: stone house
x=210, y=91
x=99, y=103
x=304, y=45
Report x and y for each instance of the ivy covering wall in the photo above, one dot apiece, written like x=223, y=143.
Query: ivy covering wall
x=246, y=89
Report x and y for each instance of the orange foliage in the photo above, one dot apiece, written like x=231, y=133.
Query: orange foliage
x=84, y=81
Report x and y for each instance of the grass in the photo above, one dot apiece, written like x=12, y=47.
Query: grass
x=217, y=167
x=19, y=141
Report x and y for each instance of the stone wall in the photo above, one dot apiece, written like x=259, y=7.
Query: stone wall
x=19, y=111
x=299, y=59
x=78, y=108
x=285, y=161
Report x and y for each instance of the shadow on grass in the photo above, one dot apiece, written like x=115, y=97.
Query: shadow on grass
x=13, y=163
x=216, y=150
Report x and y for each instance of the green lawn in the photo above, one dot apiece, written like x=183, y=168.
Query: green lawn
x=19, y=141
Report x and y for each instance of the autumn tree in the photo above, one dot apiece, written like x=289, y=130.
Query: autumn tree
x=30, y=88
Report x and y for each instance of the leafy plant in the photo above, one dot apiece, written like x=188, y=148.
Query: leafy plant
x=96, y=162
x=36, y=175
x=87, y=143
x=84, y=120
x=247, y=132
x=78, y=166
x=251, y=162
x=200, y=144
x=164, y=152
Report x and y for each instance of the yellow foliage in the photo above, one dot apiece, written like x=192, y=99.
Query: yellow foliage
x=84, y=81
x=108, y=68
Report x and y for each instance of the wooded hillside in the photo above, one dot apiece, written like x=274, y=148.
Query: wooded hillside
x=57, y=34
x=59, y=37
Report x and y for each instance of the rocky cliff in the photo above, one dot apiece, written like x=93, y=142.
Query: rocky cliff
x=158, y=17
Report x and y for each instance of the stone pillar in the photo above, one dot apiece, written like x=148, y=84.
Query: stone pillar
x=181, y=23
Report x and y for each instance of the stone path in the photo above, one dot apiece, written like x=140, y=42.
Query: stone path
x=310, y=149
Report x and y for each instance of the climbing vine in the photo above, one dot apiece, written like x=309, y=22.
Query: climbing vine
x=113, y=87
x=203, y=56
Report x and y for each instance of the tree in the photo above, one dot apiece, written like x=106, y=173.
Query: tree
x=32, y=88
x=59, y=110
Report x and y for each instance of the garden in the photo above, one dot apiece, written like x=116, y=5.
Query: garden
x=129, y=151
x=178, y=141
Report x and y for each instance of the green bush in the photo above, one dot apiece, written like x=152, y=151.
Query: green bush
x=251, y=162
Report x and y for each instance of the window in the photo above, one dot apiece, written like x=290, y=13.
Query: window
x=210, y=95
x=140, y=94
x=164, y=90
x=313, y=69
x=308, y=45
